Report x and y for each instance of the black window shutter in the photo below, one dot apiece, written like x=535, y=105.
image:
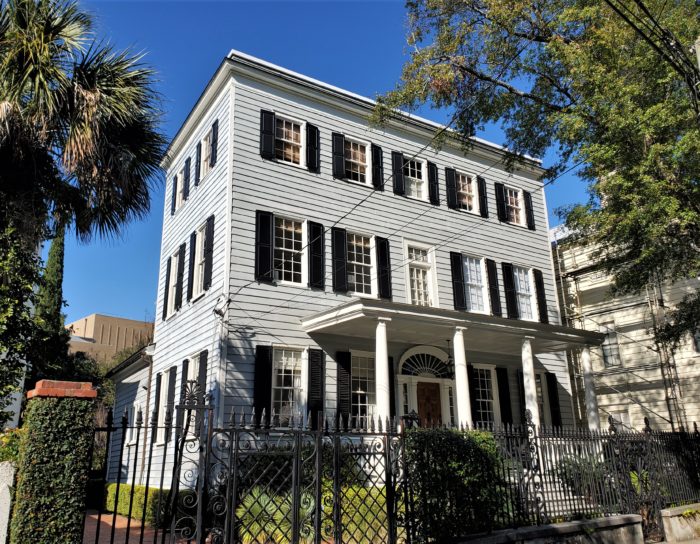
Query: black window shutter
x=338, y=141
x=183, y=390
x=340, y=259
x=459, y=293
x=208, y=252
x=383, y=267
x=553, y=394
x=317, y=378
x=509, y=288
x=170, y=399
x=167, y=287
x=471, y=378
x=397, y=171
x=264, y=245
x=529, y=211
x=521, y=395
x=267, y=134
x=186, y=181
x=262, y=384
x=451, y=187
x=483, y=197
x=504, y=395
x=343, y=361
x=313, y=148
x=392, y=389
x=377, y=167
x=433, y=184
x=202, y=382
x=180, y=277
x=172, y=201
x=501, y=202
x=156, y=404
x=541, y=297
x=317, y=256
x=198, y=164
x=214, y=143
x=190, y=271
x=494, y=290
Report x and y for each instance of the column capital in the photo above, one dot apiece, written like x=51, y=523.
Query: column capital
x=460, y=328
x=383, y=319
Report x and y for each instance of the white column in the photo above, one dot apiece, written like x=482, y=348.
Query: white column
x=464, y=407
x=381, y=369
x=589, y=388
x=530, y=386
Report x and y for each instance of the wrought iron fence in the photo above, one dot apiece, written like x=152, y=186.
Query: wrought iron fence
x=185, y=480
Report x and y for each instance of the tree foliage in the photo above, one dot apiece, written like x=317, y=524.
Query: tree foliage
x=573, y=76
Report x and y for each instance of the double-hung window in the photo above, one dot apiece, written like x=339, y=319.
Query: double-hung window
x=165, y=378
x=286, y=384
x=206, y=153
x=199, y=259
x=363, y=396
x=611, y=345
x=474, y=284
x=466, y=192
x=485, y=396
x=288, y=141
x=359, y=264
x=180, y=189
x=131, y=413
x=172, y=282
x=356, y=161
x=523, y=292
x=420, y=275
x=414, y=173
x=289, y=251
x=514, y=212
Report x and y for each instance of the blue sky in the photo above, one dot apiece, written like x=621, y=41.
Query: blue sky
x=359, y=46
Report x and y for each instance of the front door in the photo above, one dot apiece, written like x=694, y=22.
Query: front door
x=429, y=405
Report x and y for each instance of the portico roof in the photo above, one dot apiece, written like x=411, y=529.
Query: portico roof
x=425, y=325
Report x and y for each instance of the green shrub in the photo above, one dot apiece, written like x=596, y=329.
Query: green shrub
x=586, y=476
x=455, y=480
x=122, y=505
x=52, y=471
x=9, y=445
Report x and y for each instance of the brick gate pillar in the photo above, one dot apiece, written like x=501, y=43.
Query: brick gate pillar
x=54, y=463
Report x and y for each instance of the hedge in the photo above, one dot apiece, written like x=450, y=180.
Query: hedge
x=52, y=471
x=154, y=494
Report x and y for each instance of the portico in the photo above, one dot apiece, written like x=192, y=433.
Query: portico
x=433, y=360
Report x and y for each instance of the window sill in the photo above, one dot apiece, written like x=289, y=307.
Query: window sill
x=286, y=283
x=427, y=201
x=198, y=296
x=287, y=163
x=358, y=183
x=363, y=295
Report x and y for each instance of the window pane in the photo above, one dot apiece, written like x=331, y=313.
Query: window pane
x=415, y=183
x=363, y=388
x=474, y=284
x=359, y=267
x=522, y=291
x=419, y=272
x=483, y=392
x=287, y=141
x=465, y=192
x=286, y=384
x=513, y=205
x=355, y=161
x=288, y=250
x=611, y=345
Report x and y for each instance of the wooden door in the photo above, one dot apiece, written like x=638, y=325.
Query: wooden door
x=429, y=405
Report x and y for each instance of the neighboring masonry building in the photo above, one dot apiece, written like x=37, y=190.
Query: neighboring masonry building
x=633, y=377
x=103, y=336
x=310, y=264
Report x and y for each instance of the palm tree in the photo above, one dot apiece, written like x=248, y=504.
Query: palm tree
x=80, y=140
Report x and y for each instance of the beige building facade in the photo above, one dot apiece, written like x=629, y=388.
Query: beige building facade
x=632, y=375
x=103, y=336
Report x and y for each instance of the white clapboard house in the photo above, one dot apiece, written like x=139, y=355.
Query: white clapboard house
x=313, y=262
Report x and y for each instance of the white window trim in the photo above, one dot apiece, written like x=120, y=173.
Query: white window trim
x=205, y=156
x=132, y=412
x=426, y=186
x=172, y=285
x=533, y=295
x=373, y=271
x=611, y=326
x=494, y=391
x=484, y=284
x=368, y=154
x=304, y=376
x=162, y=407
x=198, y=279
x=302, y=134
x=475, y=185
x=304, y=254
x=521, y=199
x=180, y=189
x=432, y=283
x=367, y=354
